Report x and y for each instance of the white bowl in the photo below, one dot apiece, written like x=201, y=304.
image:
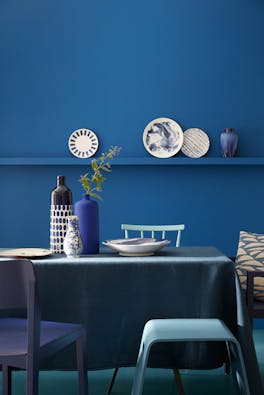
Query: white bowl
x=136, y=247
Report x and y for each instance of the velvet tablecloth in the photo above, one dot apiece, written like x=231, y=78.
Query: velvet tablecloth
x=115, y=296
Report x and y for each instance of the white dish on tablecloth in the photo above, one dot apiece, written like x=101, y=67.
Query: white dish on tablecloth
x=25, y=253
x=136, y=246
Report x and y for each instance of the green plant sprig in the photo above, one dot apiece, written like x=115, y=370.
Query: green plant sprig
x=93, y=184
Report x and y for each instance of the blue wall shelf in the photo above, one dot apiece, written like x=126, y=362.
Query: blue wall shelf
x=135, y=161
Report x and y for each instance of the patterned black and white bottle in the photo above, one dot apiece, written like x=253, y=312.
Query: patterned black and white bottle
x=60, y=210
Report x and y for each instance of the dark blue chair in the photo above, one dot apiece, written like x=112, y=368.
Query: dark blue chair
x=26, y=342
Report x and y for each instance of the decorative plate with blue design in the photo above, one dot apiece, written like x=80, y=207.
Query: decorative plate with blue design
x=163, y=137
x=83, y=143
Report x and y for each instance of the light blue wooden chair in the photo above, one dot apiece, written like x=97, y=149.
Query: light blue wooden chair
x=155, y=230
x=194, y=330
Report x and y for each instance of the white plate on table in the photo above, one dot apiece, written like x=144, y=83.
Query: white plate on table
x=136, y=246
x=25, y=253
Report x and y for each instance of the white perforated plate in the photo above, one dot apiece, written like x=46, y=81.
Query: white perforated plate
x=83, y=143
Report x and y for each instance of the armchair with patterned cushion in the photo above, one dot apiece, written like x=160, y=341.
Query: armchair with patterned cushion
x=255, y=307
x=250, y=268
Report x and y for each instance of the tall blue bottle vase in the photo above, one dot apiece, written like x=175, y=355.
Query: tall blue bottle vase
x=88, y=215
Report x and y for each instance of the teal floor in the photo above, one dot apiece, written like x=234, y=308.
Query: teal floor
x=158, y=381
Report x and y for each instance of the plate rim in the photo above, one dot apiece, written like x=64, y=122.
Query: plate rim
x=163, y=119
x=131, y=239
x=153, y=244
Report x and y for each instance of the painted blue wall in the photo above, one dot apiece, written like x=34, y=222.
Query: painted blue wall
x=112, y=66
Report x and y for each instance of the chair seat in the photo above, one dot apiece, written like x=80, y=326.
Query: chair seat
x=186, y=330
x=13, y=334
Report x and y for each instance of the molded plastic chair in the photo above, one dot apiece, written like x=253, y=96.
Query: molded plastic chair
x=154, y=229
x=182, y=330
x=25, y=342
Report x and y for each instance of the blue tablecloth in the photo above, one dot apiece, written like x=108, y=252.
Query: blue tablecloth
x=114, y=296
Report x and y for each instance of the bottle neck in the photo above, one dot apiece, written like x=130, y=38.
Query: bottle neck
x=229, y=130
x=73, y=222
x=60, y=180
x=61, y=195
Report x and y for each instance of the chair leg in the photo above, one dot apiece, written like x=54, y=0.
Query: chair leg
x=81, y=352
x=7, y=380
x=140, y=369
x=228, y=361
x=178, y=381
x=238, y=368
x=112, y=381
x=227, y=367
x=32, y=379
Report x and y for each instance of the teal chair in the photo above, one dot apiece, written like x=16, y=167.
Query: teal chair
x=154, y=231
x=182, y=330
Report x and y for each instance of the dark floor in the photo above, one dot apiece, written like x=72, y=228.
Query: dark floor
x=158, y=381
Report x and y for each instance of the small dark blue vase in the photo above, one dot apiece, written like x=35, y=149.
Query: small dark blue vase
x=229, y=141
x=88, y=217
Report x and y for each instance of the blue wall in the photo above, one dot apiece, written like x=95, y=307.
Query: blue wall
x=112, y=66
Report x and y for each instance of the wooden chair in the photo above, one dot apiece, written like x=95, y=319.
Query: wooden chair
x=26, y=342
x=255, y=307
x=154, y=230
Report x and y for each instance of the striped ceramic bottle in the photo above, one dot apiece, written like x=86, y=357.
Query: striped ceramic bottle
x=60, y=209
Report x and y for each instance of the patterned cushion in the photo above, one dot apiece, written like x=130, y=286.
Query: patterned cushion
x=250, y=257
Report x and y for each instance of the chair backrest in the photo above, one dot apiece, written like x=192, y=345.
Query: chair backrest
x=154, y=229
x=16, y=275
x=18, y=290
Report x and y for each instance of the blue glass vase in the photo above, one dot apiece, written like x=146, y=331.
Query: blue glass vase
x=229, y=141
x=88, y=216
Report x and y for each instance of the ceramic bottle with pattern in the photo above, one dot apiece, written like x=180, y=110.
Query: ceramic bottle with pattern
x=60, y=209
x=72, y=242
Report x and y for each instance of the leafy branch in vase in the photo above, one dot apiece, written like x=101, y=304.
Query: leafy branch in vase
x=92, y=184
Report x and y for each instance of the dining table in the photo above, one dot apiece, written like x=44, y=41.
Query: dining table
x=114, y=296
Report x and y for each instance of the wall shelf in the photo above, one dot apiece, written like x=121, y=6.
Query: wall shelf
x=134, y=161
